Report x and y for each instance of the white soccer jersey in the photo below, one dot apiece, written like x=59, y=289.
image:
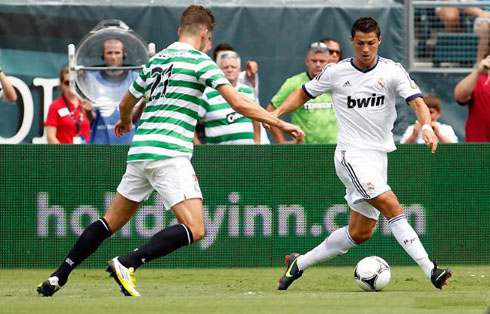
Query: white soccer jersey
x=222, y=124
x=364, y=101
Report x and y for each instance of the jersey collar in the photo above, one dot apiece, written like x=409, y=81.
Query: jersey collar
x=364, y=70
x=179, y=45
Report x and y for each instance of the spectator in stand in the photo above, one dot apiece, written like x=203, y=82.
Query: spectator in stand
x=222, y=124
x=334, y=50
x=474, y=91
x=450, y=17
x=68, y=120
x=7, y=91
x=316, y=117
x=249, y=77
x=108, y=88
x=444, y=132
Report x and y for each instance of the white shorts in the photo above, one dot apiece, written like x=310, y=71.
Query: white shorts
x=174, y=179
x=365, y=175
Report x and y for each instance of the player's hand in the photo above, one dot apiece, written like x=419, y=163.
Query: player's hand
x=122, y=127
x=430, y=139
x=293, y=130
x=484, y=65
x=275, y=114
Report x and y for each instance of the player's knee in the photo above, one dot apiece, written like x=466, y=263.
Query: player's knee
x=360, y=236
x=197, y=230
x=198, y=233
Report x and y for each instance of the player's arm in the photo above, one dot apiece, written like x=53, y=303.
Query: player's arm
x=277, y=133
x=295, y=100
x=138, y=111
x=247, y=107
x=126, y=110
x=423, y=117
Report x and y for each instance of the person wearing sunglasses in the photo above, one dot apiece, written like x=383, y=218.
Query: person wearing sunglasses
x=316, y=117
x=334, y=51
x=68, y=120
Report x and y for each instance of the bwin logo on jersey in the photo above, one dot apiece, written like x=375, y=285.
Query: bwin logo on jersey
x=365, y=102
x=232, y=117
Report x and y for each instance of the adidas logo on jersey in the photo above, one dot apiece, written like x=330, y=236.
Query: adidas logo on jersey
x=346, y=84
x=365, y=102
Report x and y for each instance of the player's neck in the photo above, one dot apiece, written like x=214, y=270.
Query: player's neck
x=365, y=66
x=195, y=42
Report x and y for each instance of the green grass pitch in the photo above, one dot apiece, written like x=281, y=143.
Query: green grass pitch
x=320, y=290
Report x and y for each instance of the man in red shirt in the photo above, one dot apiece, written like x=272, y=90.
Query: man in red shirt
x=474, y=91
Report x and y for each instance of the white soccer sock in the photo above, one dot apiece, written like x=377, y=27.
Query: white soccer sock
x=410, y=242
x=337, y=243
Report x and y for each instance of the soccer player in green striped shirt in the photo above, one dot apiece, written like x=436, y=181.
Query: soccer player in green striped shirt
x=222, y=124
x=172, y=83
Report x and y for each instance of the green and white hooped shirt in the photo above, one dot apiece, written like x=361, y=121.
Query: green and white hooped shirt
x=222, y=124
x=172, y=83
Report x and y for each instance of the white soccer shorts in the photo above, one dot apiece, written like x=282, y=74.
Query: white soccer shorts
x=174, y=179
x=365, y=175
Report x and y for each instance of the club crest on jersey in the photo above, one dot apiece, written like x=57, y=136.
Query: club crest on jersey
x=413, y=85
x=232, y=117
x=381, y=81
x=373, y=101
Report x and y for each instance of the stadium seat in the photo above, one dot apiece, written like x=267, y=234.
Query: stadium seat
x=458, y=48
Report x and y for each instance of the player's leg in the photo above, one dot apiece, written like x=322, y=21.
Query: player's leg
x=189, y=229
x=92, y=237
x=387, y=203
x=175, y=180
x=359, y=230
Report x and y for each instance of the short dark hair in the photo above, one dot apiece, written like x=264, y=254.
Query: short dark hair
x=365, y=24
x=221, y=47
x=195, y=17
x=432, y=101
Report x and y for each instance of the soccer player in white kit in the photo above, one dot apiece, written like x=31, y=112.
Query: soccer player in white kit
x=363, y=90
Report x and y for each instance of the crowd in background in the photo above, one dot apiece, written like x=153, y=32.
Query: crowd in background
x=72, y=120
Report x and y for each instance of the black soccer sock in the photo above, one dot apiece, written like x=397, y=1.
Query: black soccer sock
x=161, y=244
x=88, y=243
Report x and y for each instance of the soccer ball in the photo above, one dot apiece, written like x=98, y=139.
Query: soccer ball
x=372, y=273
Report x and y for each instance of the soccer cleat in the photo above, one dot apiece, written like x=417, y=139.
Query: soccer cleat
x=292, y=272
x=48, y=287
x=123, y=276
x=440, y=276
